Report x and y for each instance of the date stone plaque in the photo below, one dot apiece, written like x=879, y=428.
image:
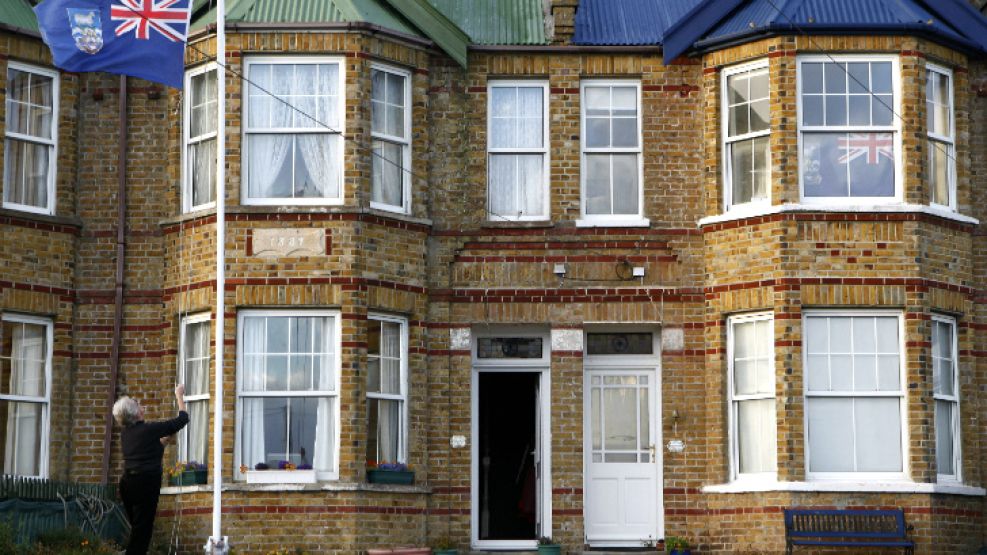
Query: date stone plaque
x=280, y=243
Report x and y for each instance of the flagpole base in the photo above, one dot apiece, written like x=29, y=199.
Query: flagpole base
x=217, y=546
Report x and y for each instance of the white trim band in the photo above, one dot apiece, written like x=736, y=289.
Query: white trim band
x=896, y=208
x=848, y=486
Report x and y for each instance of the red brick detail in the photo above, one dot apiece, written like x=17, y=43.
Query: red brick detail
x=914, y=53
x=564, y=245
x=567, y=512
x=563, y=232
x=567, y=354
x=781, y=53
x=476, y=89
x=573, y=295
x=250, y=242
x=564, y=90
x=838, y=217
x=567, y=491
x=69, y=229
x=449, y=353
x=328, y=242
x=684, y=353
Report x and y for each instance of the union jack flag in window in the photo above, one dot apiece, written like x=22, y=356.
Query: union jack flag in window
x=848, y=165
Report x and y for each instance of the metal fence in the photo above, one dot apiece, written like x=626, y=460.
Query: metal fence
x=33, y=506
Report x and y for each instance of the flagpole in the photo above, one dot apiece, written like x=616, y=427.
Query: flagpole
x=218, y=544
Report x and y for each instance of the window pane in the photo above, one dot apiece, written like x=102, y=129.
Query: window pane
x=859, y=77
x=197, y=358
x=502, y=182
x=756, y=432
x=23, y=359
x=878, y=434
x=598, y=184
x=625, y=185
x=817, y=372
x=882, y=109
x=739, y=120
x=384, y=427
x=836, y=110
x=812, y=78
x=624, y=132
x=760, y=119
x=823, y=175
x=620, y=415
x=830, y=432
x=940, y=166
x=22, y=431
x=812, y=110
x=625, y=102
x=202, y=171
x=388, y=173
x=597, y=101
x=880, y=77
x=860, y=110
x=741, y=171
x=945, y=461
x=835, y=75
x=26, y=173
x=597, y=132
x=509, y=347
x=196, y=447
x=595, y=412
x=738, y=88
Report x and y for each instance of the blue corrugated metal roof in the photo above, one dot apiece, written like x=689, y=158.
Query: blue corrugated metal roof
x=953, y=22
x=818, y=14
x=627, y=22
x=681, y=25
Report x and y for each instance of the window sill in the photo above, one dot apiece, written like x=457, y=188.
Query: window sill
x=897, y=208
x=848, y=486
x=526, y=224
x=630, y=222
x=24, y=215
x=304, y=488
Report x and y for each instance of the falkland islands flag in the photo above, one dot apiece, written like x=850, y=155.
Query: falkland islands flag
x=140, y=38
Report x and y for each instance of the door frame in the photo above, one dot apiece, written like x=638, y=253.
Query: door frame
x=633, y=363
x=541, y=366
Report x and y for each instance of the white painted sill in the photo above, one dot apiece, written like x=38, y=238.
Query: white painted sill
x=280, y=476
x=635, y=222
x=847, y=486
x=303, y=488
x=744, y=211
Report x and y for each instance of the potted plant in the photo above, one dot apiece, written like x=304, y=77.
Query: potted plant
x=390, y=473
x=548, y=546
x=677, y=546
x=187, y=474
x=444, y=546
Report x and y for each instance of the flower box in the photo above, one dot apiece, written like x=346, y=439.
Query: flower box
x=401, y=477
x=280, y=476
x=189, y=478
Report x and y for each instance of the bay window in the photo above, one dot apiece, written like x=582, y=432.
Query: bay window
x=753, y=429
x=387, y=389
x=854, y=395
x=25, y=378
x=939, y=117
x=293, y=140
x=30, y=138
x=390, y=107
x=517, y=150
x=288, y=389
x=849, y=136
x=746, y=130
x=611, y=153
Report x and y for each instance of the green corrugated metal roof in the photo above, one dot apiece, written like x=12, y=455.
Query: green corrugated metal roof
x=18, y=13
x=308, y=11
x=436, y=27
x=497, y=21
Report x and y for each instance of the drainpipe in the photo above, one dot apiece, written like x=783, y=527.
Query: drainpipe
x=111, y=390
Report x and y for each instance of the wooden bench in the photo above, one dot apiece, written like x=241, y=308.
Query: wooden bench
x=846, y=528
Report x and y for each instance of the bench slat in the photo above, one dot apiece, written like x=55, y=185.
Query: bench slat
x=848, y=528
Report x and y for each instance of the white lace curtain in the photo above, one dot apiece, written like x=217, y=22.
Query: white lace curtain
x=24, y=419
x=516, y=162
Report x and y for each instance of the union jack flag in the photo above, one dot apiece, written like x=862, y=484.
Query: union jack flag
x=871, y=145
x=141, y=16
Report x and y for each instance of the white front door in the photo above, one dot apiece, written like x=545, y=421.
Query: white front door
x=621, y=497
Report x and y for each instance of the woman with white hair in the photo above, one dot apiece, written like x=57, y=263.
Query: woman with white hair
x=143, y=447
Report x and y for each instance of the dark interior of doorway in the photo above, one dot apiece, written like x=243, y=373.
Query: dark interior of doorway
x=507, y=444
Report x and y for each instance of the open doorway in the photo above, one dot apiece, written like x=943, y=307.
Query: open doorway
x=509, y=456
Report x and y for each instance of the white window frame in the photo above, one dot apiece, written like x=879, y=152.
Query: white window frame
x=544, y=151
x=950, y=141
x=734, y=401
x=611, y=220
x=332, y=474
x=45, y=401
x=894, y=129
x=728, y=201
x=956, y=477
x=901, y=394
x=51, y=143
x=340, y=130
x=188, y=141
x=404, y=142
x=403, y=396
x=204, y=317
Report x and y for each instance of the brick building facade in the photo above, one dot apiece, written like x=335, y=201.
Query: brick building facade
x=556, y=344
